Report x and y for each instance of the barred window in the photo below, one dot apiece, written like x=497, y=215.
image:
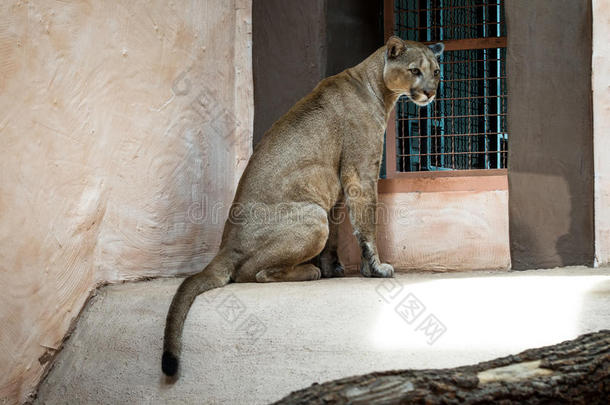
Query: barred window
x=465, y=127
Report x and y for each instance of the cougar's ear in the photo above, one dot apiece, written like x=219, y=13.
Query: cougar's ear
x=395, y=46
x=437, y=49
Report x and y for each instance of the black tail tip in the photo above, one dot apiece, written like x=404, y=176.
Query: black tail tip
x=169, y=364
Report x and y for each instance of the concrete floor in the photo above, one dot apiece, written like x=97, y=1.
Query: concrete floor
x=252, y=343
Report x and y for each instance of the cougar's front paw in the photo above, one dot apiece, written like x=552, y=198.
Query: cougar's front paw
x=383, y=270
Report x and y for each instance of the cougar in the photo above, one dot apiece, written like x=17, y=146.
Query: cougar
x=325, y=150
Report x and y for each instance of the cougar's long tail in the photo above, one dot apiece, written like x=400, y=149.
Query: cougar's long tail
x=216, y=274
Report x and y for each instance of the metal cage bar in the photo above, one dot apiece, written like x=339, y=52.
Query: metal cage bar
x=465, y=128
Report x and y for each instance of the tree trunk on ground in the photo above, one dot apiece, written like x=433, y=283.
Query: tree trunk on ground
x=575, y=371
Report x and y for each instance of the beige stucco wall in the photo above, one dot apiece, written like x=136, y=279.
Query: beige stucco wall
x=437, y=231
x=124, y=127
x=601, y=128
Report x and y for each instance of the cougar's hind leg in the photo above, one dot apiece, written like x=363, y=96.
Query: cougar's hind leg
x=301, y=272
x=283, y=248
x=328, y=260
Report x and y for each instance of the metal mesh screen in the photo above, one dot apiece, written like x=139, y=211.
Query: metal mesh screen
x=465, y=128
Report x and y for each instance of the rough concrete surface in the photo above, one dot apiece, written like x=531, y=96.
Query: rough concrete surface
x=305, y=332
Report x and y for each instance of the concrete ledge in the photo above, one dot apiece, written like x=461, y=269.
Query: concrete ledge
x=316, y=331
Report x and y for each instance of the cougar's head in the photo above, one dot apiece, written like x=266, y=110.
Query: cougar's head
x=411, y=68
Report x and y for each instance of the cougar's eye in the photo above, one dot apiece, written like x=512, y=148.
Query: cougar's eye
x=437, y=72
x=415, y=71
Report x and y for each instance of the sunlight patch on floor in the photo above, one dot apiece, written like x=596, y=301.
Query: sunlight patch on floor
x=481, y=313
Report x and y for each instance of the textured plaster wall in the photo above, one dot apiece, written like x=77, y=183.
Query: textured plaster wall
x=124, y=126
x=601, y=128
x=438, y=231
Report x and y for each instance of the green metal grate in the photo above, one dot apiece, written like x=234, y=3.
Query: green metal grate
x=465, y=128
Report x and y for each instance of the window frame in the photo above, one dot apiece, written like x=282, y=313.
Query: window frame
x=445, y=180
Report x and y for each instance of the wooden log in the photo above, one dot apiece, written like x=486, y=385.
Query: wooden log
x=575, y=371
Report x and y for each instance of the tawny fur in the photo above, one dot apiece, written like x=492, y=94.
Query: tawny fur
x=325, y=150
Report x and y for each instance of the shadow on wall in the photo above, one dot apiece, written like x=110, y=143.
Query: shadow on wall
x=537, y=245
x=551, y=145
x=298, y=43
